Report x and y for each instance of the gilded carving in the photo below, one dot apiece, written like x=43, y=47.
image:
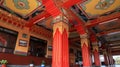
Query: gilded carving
x=61, y=26
x=60, y=22
x=84, y=41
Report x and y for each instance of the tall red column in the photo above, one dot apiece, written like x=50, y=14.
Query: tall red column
x=96, y=54
x=86, y=57
x=85, y=50
x=110, y=58
x=60, y=56
x=105, y=57
x=95, y=49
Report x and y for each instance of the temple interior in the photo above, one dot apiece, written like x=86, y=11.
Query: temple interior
x=60, y=33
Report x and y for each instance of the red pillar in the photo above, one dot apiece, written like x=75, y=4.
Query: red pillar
x=111, y=62
x=85, y=50
x=86, y=57
x=96, y=54
x=105, y=57
x=95, y=50
x=60, y=56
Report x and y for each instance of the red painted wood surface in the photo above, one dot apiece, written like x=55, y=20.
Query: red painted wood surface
x=80, y=29
x=102, y=19
x=37, y=18
x=23, y=60
x=70, y=3
x=106, y=61
x=86, y=55
x=60, y=49
x=51, y=8
x=96, y=58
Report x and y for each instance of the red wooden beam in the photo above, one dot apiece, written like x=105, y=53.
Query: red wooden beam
x=102, y=19
x=79, y=25
x=51, y=8
x=37, y=18
x=72, y=29
x=70, y=3
x=107, y=32
x=74, y=39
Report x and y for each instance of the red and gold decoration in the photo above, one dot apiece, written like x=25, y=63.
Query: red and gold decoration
x=85, y=50
x=95, y=49
x=60, y=57
x=96, y=54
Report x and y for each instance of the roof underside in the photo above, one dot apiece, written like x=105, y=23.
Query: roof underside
x=40, y=12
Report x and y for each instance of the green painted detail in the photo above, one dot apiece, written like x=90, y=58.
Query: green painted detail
x=104, y=4
x=21, y=4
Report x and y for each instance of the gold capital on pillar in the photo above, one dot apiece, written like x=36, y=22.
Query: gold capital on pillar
x=85, y=50
x=95, y=46
x=84, y=40
x=60, y=54
x=60, y=23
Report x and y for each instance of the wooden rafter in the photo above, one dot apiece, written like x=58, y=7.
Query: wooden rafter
x=37, y=18
x=102, y=19
x=74, y=39
x=114, y=42
x=107, y=32
x=70, y=3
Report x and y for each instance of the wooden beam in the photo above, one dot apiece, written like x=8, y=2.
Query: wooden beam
x=51, y=10
x=78, y=23
x=102, y=19
x=72, y=29
x=107, y=32
x=70, y=3
x=115, y=52
x=116, y=45
x=114, y=42
x=37, y=18
x=115, y=49
x=74, y=39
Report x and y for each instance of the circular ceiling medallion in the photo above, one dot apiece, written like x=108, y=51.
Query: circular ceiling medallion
x=21, y=4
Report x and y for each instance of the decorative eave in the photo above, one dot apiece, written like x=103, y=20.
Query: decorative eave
x=20, y=23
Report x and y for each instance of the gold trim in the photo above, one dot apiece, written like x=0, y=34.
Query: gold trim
x=84, y=36
x=61, y=26
x=84, y=41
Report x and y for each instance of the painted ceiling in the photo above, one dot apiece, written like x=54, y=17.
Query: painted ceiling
x=23, y=8
x=93, y=8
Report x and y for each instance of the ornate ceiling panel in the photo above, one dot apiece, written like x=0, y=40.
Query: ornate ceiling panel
x=93, y=8
x=22, y=7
